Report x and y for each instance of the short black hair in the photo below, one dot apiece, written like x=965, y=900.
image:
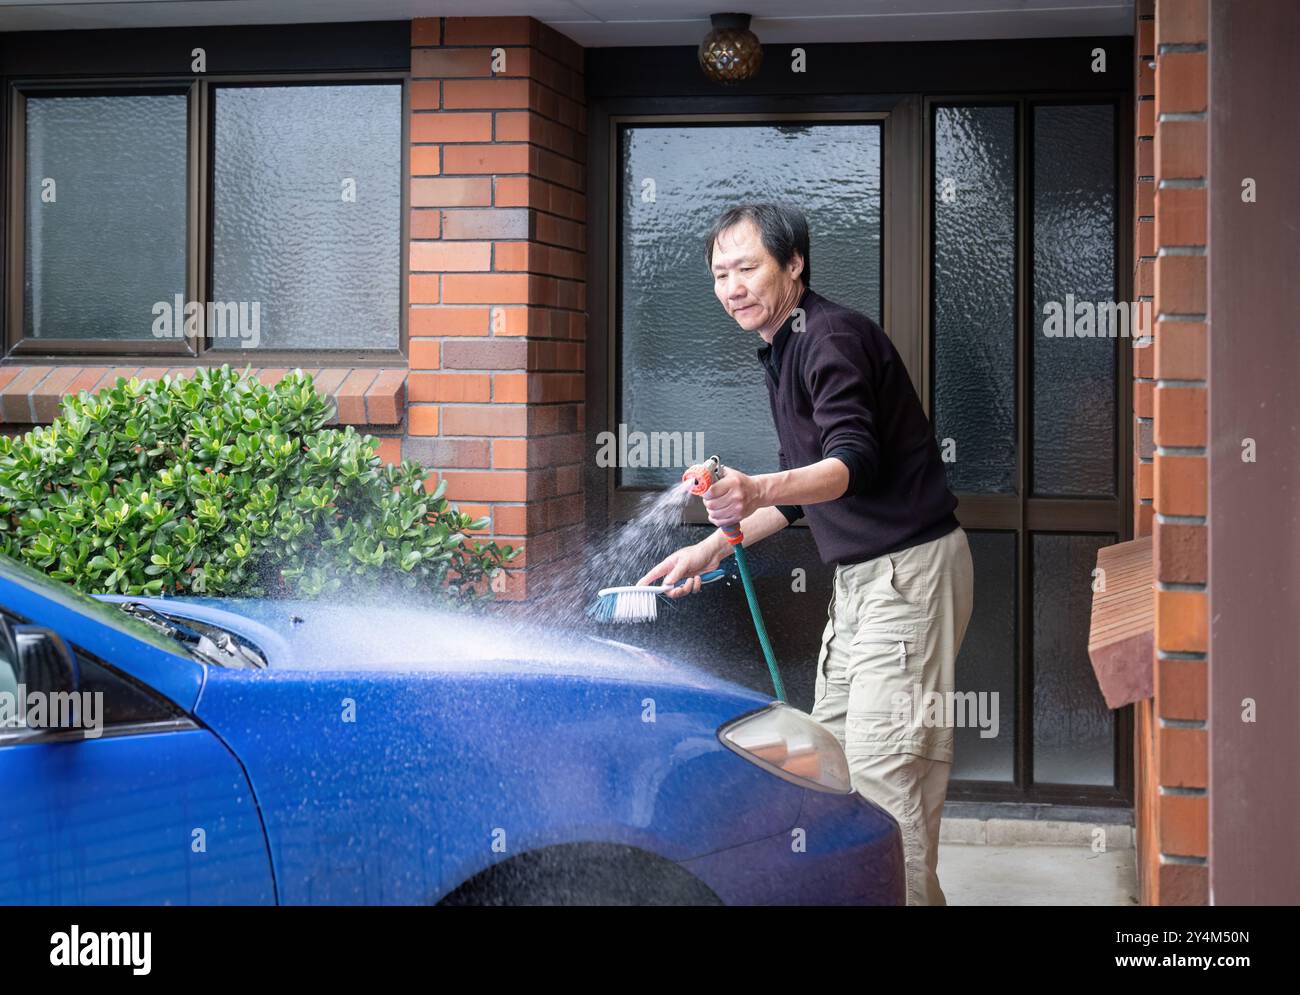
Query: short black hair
x=783, y=228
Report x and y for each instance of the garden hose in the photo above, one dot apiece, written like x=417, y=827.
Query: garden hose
x=700, y=478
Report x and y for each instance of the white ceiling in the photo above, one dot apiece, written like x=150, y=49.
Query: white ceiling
x=620, y=22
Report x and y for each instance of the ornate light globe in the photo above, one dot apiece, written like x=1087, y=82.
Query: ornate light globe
x=730, y=52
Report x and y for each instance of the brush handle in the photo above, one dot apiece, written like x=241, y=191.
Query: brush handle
x=707, y=578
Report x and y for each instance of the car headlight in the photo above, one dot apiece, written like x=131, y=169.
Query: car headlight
x=791, y=745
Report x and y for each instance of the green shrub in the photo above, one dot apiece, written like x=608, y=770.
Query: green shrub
x=220, y=485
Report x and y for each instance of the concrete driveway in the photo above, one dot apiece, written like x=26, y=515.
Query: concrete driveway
x=1037, y=862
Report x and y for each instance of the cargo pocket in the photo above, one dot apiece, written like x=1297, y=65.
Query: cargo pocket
x=900, y=638
x=882, y=612
x=886, y=679
x=888, y=652
x=886, y=656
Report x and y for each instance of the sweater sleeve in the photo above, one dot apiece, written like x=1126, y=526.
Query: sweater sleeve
x=856, y=465
x=840, y=376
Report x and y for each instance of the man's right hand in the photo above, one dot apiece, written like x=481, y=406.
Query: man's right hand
x=689, y=561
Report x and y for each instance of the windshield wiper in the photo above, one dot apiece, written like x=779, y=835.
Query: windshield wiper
x=221, y=649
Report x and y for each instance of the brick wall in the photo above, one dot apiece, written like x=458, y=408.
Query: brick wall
x=1170, y=408
x=497, y=291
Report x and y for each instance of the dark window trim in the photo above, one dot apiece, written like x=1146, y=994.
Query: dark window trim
x=861, y=70
x=334, y=46
x=199, y=219
x=40, y=737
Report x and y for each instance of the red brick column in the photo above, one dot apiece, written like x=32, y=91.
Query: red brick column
x=497, y=288
x=1145, y=778
x=1175, y=799
x=1144, y=252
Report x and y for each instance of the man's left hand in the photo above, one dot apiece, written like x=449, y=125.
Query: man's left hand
x=736, y=496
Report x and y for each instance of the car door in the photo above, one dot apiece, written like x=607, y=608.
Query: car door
x=112, y=794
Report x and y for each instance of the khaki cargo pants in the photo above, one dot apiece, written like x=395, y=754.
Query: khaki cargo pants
x=895, y=626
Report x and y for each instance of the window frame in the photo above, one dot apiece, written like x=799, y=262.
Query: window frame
x=897, y=116
x=201, y=124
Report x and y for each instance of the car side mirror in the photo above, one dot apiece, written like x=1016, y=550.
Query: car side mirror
x=44, y=662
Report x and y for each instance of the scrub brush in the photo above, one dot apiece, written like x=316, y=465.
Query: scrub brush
x=638, y=604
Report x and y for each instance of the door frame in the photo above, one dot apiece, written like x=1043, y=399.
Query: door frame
x=660, y=86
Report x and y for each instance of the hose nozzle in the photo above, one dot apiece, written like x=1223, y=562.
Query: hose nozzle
x=702, y=476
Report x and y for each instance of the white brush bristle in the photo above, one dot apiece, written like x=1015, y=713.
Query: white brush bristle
x=627, y=604
x=636, y=606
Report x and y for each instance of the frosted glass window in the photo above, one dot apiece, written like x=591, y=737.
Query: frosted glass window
x=307, y=214
x=986, y=664
x=975, y=295
x=686, y=366
x=105, y=205
x=1074, y=731
x=1074, y=214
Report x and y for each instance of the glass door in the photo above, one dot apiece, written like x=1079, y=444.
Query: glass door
x=1025, y=376
x=958, y=225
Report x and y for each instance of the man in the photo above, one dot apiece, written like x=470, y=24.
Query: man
x=858, y=458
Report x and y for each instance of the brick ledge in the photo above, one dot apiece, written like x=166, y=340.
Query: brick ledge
x=31, y=394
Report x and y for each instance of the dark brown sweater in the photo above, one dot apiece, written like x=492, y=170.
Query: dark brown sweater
x=839, y=388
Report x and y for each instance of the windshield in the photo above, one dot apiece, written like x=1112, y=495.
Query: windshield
x=210, y=643
x=108, y=615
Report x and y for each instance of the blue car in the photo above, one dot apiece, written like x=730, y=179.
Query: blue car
x=206, y=751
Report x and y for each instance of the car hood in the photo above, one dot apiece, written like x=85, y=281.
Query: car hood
x=325, y=636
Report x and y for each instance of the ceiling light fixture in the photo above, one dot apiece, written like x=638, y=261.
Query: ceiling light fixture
x=730, y=52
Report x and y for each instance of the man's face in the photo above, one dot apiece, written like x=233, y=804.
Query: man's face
x=755, y=289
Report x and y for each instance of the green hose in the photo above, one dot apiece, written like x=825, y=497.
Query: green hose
x=759, y=628
x=700, y=478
